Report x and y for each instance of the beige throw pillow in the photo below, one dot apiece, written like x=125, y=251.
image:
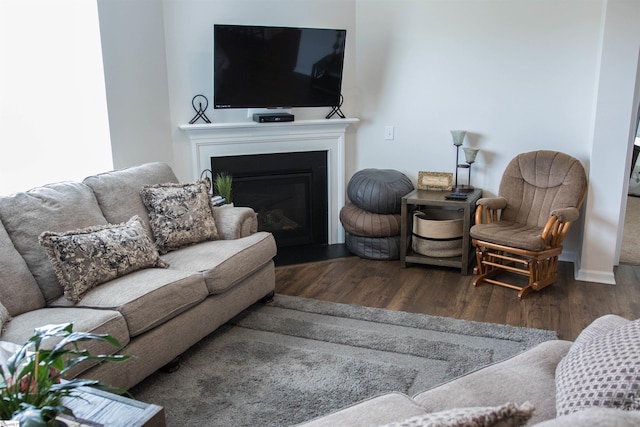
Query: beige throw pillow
x=507, y=415
x=88, y=257
x=179, y=214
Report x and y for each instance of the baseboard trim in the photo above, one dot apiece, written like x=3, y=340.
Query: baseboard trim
x=595, y=276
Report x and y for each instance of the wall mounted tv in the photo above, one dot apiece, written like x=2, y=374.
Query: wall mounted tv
x=277, y=67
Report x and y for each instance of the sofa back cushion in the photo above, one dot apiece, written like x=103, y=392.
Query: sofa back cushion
x=118, y=192
x=19, y=291
x=54, y=207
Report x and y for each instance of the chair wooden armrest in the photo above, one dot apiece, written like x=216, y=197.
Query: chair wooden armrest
x=558, y=225
x=490, y=207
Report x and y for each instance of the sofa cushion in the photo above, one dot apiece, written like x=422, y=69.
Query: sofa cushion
x=507, y=415
x=372, y=412
x=224, y=263
x=596, y=417
x=179, y=214
x=528, y=376
x=146, y=298
x=18, y=289
x=90, y=256
x=54, y=207
x=21, y=328
x=115, y=187
x=601, y=371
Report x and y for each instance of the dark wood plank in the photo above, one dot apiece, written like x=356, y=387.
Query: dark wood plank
x=566, y=306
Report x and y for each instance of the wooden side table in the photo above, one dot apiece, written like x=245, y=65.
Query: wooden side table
x=434, y=199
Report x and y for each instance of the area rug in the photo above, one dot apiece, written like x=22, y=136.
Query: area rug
x=290, y=360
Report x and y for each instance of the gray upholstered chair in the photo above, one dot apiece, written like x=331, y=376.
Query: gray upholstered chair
x=521, y=231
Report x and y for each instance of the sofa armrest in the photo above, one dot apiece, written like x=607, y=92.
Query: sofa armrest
x=528, y=376
x=378, y=410
x=235, y=222
x=595, y=417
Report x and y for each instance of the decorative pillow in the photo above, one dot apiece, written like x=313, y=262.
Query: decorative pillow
x=5, y=318
x=602, y=371
x=88, y=257
x=179, y=214
x=506, y=415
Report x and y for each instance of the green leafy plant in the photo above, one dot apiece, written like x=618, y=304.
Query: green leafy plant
x=223, y=184
x=32, y=384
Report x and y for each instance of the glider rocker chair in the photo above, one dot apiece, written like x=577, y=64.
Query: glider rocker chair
x=521, y=231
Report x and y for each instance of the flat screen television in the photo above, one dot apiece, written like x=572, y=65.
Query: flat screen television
x=277, y=67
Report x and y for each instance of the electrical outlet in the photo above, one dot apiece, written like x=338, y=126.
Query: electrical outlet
x=388, y=132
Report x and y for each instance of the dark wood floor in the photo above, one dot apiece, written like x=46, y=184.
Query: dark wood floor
x=566, y=306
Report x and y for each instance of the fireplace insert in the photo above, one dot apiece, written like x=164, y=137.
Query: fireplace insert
x=287, y=190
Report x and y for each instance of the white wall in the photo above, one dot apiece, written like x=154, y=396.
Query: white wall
x=615, y=113
x=53, y=111
x=135, y=71
x=189, y=40
x=517, y=75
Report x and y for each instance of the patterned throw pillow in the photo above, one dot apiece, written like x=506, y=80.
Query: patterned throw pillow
x=602, y=371
x=88, y=257
x=179, y=214
x=507, y=415
x=5, y=318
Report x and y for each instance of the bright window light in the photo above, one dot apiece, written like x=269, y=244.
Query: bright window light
x=53, y=109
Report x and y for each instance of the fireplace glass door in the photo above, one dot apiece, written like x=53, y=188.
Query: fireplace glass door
x=287, y=190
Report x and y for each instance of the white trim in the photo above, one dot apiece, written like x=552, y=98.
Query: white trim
x=236, y=139
x=595, y=276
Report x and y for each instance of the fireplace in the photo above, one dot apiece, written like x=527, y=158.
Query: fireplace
x=287, y=190
x=248, y=138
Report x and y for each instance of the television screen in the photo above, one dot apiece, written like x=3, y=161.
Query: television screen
x=277, y=67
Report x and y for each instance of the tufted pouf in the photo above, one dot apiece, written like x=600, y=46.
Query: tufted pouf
x=378, y=190
x=359, y=222
x=378, y=248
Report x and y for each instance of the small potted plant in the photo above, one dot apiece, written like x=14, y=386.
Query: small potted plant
x=32, y=382
x=222, y=184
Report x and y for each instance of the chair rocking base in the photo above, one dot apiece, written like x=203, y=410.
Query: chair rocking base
x=540, y=267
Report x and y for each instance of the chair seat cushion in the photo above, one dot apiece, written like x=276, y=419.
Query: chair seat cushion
x=509, y=233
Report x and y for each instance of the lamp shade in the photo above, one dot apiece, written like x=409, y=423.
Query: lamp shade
x=458, y=136
x=470, y=154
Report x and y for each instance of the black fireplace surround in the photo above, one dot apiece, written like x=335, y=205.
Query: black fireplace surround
x=287, y=190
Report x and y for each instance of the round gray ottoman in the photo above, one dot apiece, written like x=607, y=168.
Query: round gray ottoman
x=378, y=190
x=378, y=248
x=359, y=222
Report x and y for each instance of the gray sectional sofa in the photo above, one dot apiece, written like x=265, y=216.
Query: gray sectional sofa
x=156, y=313
x=558, y=383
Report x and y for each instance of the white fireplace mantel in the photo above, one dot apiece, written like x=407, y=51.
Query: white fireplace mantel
x=245, y=138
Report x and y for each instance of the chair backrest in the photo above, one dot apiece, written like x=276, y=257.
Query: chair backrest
x=537, y=182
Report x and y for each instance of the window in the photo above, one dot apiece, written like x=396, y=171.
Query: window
x=53, y=108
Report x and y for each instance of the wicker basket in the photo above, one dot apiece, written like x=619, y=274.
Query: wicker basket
x=437, y=232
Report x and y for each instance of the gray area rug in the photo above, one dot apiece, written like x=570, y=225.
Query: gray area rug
x=293, y=359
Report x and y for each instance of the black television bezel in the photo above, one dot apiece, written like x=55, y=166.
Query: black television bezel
x=262, y=105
